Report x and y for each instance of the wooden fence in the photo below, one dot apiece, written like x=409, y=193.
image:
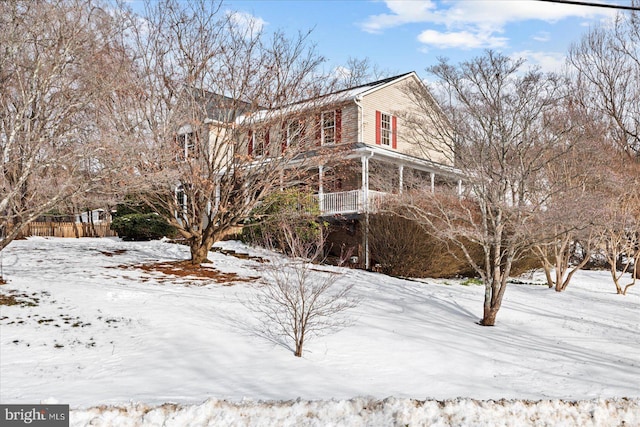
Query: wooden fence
x=67, y=229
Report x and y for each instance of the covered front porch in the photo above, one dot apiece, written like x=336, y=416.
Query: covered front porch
x=350, y=202
x=363, y=179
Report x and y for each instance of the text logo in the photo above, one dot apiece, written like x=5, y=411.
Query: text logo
x=34, y=415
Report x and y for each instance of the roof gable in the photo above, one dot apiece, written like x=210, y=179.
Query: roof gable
x=366, y=89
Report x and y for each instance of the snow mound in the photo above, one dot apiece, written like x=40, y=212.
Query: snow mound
x=369, y=412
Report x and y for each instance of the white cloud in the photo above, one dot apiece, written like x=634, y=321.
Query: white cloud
x=473, y=22
x=246, y=22
x=547, y=61
x=460, y=39
x=402, y=12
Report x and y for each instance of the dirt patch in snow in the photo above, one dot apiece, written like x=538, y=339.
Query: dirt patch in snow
x=198, y=274
x=13, y=297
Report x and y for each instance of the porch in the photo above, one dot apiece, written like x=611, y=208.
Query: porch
x=350, y=202
x=362, y=180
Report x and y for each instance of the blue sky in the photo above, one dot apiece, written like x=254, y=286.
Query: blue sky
x=409, y=35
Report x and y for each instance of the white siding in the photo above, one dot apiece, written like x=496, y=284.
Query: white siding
x=392, y=100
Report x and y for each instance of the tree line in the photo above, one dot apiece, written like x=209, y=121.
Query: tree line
x=551, y=161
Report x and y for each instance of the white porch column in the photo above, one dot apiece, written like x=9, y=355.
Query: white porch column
x=401, y=178
x=216, y=205
x=365, y=183
x=365, y=205
x=433, y=182
x=321, y=187
x=459, y=188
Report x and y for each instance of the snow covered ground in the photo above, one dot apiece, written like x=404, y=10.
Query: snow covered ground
x=130, y=346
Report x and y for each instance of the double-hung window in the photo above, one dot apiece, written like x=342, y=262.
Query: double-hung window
x=328, y=127
x=386, y=130
x=294, y=130
x=258, y=142
x=186, y=144
x=181, y=201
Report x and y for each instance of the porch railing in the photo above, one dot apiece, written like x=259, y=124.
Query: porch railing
x=349, y=202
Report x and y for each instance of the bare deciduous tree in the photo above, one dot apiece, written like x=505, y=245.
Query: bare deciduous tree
x=59, y=60
x=563, y=231
x=618, y=232
x=211, y=116
x=357, y=71
x=300, y=301
x=505, y=126
x=607, y=65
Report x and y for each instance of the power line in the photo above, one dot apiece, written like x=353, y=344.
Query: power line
x=584, y=3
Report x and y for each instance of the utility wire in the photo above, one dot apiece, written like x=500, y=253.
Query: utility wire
x=584, y=3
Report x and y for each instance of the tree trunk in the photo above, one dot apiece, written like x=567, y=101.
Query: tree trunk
x=626, y=288
x=495, y=286
x=200, y=251
x=298, y=352
x=489, y=317
x=492, y=302
x=572, y=271
x=546, y=266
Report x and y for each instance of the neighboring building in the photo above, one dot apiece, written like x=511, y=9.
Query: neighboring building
x=94, y=216
x=357, y=148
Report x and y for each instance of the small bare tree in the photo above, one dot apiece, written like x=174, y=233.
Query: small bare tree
x=299, y=301
x=557, y=253
x=619, y=236
x=562, y=232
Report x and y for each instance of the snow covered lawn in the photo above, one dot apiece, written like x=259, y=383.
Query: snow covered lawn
x=87, y=327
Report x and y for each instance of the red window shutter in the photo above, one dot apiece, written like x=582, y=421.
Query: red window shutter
x=319, y=129
x=265, y=149
x=338, y=126
x=250, y=143
x=378, y=124
x=394, y=132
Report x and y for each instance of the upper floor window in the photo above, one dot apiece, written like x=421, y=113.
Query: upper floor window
x=328, y=127
x=386, y=129
x=294, y=133
x=258, y=142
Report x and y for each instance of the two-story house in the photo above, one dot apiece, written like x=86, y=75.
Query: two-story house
x=357, y=148
x=376, y=153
